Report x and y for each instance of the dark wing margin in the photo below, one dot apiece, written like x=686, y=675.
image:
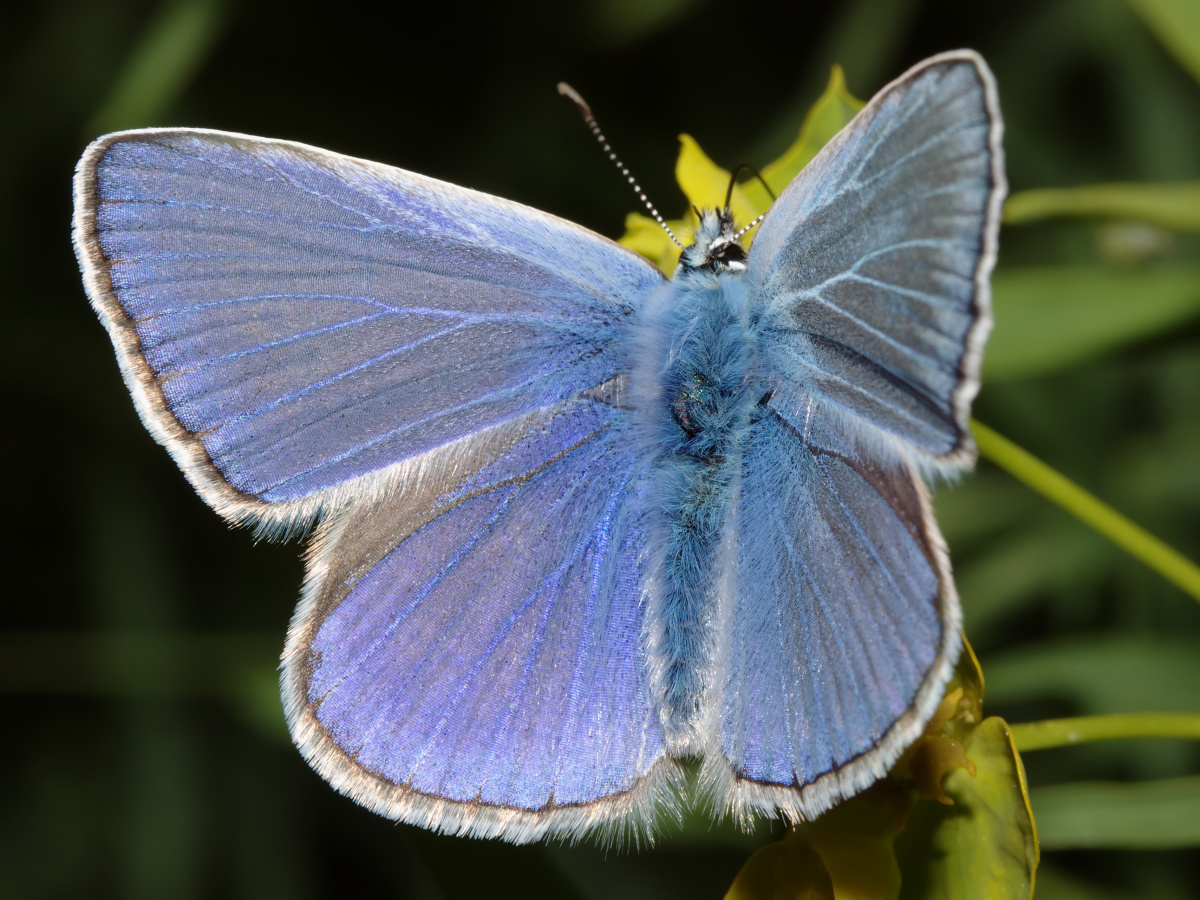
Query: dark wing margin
x=845, y=623
x=290, y=320
x=873, y=264
x=468, y=656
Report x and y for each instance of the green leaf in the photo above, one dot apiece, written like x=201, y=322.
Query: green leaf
x=1177, y=24
x=173, y=47
x=786, y=868
x=1101, y=675
x=1175, y=206
x=1134, y=816
x=985, y=846
x=854, y=842
x=830, y=114
x=845, y=854
x=1050, y=318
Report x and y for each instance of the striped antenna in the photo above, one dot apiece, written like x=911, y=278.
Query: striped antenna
x=738, y=236
x=586, y=111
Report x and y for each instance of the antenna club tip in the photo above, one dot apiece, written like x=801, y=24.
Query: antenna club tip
x=573, y=95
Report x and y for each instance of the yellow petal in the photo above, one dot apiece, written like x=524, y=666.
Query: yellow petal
x=785, y=869
x=645, y=236
x=705, y=183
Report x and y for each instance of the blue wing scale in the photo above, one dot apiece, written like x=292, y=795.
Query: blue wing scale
x=294, y=320
x=845, y=623
x=512, y=696
x=873, y=265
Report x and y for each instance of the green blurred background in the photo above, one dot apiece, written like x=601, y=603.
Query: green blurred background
x=143, y=740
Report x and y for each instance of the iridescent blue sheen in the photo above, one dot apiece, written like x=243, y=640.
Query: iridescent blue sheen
x=519, y=685
x=577, y=523
x=315, y=325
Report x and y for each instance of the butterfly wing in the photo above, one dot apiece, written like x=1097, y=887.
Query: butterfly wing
x=434, y=369
x=845, y=623
x=872, y=267
x=467, y=656
x=869, y=284
x=290, y=320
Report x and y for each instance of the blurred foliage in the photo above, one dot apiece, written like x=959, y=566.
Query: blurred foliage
x=140, y=639
x=1169, y=205
x=1050, y=318
x=161, y=65
x=1177, y=24
x=1131, y=538
x=1139, y=815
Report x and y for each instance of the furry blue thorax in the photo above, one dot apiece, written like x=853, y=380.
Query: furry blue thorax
x=704, y=360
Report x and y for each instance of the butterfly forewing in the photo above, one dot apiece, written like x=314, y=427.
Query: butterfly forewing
x=872, y=266
x=291, y=319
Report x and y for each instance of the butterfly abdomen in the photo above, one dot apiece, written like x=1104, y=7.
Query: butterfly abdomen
x=703, y=359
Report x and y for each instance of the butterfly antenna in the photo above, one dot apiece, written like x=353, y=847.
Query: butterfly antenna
x=744, y=167
x=586, y=111
x=738, y=235
x=729, y=194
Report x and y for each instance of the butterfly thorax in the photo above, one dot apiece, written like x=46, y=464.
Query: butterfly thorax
x=705, y=367
x=716, y=247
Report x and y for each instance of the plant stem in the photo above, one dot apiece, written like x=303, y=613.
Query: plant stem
x=1063, y=732
x=1134, y=539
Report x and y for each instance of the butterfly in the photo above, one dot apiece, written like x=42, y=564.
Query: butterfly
x=576, y=524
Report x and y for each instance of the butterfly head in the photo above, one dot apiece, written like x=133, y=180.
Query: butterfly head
x=716, y=247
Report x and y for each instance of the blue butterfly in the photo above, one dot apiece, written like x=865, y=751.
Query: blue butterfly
x=577, y=523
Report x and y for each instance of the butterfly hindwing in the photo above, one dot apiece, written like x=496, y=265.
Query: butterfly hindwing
x=872, y=266
x=289, y=319
x=845, y=621
x=468, y=653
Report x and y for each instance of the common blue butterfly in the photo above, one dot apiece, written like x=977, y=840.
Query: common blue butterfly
x=576, y=523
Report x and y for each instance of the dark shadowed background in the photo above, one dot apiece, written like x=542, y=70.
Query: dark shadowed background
x=143, y=742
